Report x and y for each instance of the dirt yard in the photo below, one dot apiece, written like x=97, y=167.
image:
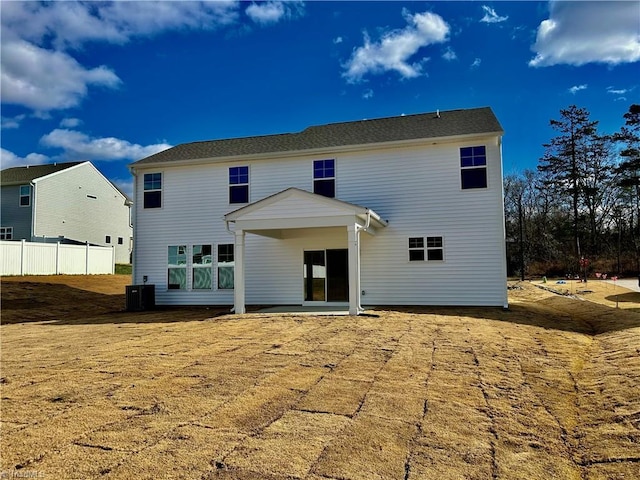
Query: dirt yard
x=548, y=389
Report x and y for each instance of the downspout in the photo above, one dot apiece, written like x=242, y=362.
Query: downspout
x=33, y=210
x=358, y=230
x=132, y=221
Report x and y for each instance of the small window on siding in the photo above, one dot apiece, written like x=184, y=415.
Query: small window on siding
x=120, y=240
x=25, y=195
x=429, y=248
x=6, y=233
x=152, y=190
x=416, y=249
x=202, y=267
x=239, y=185
x=107, y=239
x=226, y=266
x=324, y=177
x=473, y=167
x=435, y=250
x=177, y=267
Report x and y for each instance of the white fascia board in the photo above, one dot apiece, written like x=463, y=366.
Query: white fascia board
x=45, y=177
x=318, y=152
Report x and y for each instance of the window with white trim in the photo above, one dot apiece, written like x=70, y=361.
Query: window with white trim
x=202, y=267
x=239, y=184
x=107, y=239
x=152, y=190
x=177, y=267
x=226, y=265
x=473, y=167
x=426, y=248
x=324, y=177
x=6, y=233
x=25, y=195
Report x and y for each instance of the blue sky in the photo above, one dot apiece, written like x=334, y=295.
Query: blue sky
x=115, y=82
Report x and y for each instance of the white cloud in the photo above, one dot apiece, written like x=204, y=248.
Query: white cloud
x=395, y=48
x=39, y=73
x=490, y=15
x=45, y=80
x=578, y=33
x=9, y=159
x=11, y=122
x=449, y=54
x=77, y=145
x=70, y=122
x=337, y=40
x=576, y=88
x=367, y=94
x=617, y=91
x=271, y=11
x=476, y=63
x=71, y=24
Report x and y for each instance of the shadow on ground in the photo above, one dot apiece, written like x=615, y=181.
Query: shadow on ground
x=60, y=304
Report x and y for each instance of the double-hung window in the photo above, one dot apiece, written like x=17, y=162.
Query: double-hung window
x=239, y=185
x=324, y=177
x=6, y=233
x=152, y=190
x=226, y=266
x=177, y=267
x=473, y=167
x=25, y=195
x=202, y=267
x=426, y=248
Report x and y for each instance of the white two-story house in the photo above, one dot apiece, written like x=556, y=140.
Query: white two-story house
x=404, y=210
x=67, y=203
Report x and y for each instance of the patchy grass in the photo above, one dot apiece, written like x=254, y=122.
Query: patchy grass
x=123, y=269
x=548, y=389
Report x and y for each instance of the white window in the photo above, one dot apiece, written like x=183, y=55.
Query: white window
x=426, y=248
x=177, y=267
x=473, y=167
x=202, y=267
x=152, y=190
x=25, y=195
x=6, y=233
x=239, y=185
x=324, y=177
x=226, y=266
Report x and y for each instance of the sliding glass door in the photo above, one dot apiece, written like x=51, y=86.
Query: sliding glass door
x=326, y=275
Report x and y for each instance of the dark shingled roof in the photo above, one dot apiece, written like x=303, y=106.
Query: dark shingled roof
x=362, y=132
x=26, y=174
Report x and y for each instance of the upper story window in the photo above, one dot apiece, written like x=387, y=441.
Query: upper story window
x=107, y=239
x=6, y=233
x=238, y=184
x=25, y=195
x=152, y=190
x=324, y=177
x=473, y=167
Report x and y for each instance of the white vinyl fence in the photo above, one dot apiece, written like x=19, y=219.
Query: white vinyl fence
x=30, y=258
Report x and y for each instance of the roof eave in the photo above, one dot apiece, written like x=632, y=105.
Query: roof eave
x=314, y=152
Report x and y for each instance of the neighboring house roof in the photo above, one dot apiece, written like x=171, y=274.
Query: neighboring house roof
x=362, y=132
x=28, y=173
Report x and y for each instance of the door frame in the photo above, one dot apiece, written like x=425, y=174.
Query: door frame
x=326, y=283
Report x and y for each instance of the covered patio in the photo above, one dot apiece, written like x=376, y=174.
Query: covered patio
x=292, y=210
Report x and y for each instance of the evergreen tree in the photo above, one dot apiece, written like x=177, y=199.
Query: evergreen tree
x=565, y=159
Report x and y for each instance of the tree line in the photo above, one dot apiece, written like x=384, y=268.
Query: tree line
x=578, y=212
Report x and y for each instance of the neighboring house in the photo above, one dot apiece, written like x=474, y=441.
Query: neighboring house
x=67, y=203
x=404, y=210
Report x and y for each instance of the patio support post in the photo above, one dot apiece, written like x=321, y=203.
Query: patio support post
x=238, y=295
x=354, y=269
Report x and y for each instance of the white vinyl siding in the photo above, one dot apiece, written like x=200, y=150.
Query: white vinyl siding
x=408, y=187
x=79, y=203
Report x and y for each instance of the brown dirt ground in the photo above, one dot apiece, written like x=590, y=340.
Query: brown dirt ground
x=548, y=389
